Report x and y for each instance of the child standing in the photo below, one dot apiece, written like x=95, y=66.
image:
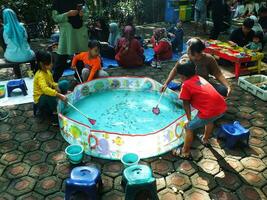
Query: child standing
x=89, y=62
x=162, y=46
x=45, y=89
x=200, y=94
x=177, y=37
x=256, y=44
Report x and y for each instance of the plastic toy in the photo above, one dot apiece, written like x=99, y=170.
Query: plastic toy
x=234, y=133
x=74, y=153
x=130, y=159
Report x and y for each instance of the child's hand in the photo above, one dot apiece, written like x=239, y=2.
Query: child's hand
x=81, y=13
x=62, y=97
x=163, y=88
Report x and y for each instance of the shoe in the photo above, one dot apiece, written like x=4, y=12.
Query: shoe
x=153, y=64
x=3, y=115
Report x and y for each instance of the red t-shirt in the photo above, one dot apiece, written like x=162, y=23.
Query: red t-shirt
x=203, y=97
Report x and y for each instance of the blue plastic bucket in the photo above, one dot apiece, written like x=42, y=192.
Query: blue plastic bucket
x=74, y=153
x=130, y=159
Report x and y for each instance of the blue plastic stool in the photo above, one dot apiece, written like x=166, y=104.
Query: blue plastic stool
x=86, y=180
x=139, y=179
x=14, y=84
x=234, y=133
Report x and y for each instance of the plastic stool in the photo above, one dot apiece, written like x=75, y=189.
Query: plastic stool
x=234, y=133
x=14, y=84
x=86, y=180
x=138, y=179
x=174, y=86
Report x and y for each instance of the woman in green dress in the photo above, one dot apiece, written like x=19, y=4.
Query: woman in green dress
x=70, y=15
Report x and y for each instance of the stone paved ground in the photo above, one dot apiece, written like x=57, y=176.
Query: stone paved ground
x=33, y=164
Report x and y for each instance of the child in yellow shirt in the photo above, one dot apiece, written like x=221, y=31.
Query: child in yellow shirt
x=45, y=89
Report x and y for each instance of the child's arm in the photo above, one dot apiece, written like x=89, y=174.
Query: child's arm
x=75, y=59
x=187, y=109
x=92, y=74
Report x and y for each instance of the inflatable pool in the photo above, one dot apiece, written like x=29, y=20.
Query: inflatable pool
x=122, y=108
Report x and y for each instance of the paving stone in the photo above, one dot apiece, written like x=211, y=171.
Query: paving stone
x=169, y=194
x=257, y=132
x=203, y=181
x=11, y=157
x=113, y=195
x=63, y=170
x=18, y=128
x=196, y=194
x=35, y=157
x=178, y=180
x=39, y=127
x=2, y=168
x=232, y=165
x=24, y=135
x=31, y=196
x=4, y=182
x=216, y=143
x=255, y=152
x=41, y=170
x=44, y=136
x=6, y=196
x=253, y=178
x=259, y=114
x=232, y=109
x=229, y=116
x=209, y=166
x=259, y=122
x=265, y=174
x=208, y=154
x=117, y=184
x=17, y=170
x=250, y=193
x=222, y=194
x=162, y=167
x=236, y=154
x=169, y=157
x=8, y=146
x=257, y=142
x=264, y=189
x=113, y=169
x=185, y=167
x=16, y=119
x=56, y=196
x=196, y=154
x=57, y=157
x=6, y=135
x=48, y=185
x=51, y=146
x=246, y=109
x=5, y=126
x=244, y=115
x=107, y=183
x=245, y=123
x=29, y=145
x=21, y=186
x=228, y=180
x=253, y=164
x=161, y=183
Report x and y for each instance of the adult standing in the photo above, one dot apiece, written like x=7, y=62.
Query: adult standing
x=217, y=7
x=70, y=15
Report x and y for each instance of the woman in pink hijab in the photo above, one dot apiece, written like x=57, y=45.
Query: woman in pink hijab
x=129, y=52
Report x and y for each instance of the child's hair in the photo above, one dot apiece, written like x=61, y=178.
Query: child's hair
x=187, y=69
x=195, y=45
x=43, y=57
x=259, y=35
x=93, y=43
x=248, y=23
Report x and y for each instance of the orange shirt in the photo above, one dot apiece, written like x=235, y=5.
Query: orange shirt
x=94, y=64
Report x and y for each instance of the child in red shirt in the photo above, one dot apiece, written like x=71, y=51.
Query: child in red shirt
x=162, y=46
x=91, y=62
x=200, y=94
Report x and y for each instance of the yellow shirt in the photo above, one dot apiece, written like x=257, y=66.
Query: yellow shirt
x=43, y=84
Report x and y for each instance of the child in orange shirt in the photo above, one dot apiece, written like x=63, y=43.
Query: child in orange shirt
x=91, y=62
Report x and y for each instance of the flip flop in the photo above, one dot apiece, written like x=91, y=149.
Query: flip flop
x=178, y=153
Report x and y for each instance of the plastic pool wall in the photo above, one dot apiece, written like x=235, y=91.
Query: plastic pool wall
x=110, y=145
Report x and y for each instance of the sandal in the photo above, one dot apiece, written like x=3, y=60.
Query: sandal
x=178, y=153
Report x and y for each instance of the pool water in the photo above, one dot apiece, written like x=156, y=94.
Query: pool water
x=125, y=111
